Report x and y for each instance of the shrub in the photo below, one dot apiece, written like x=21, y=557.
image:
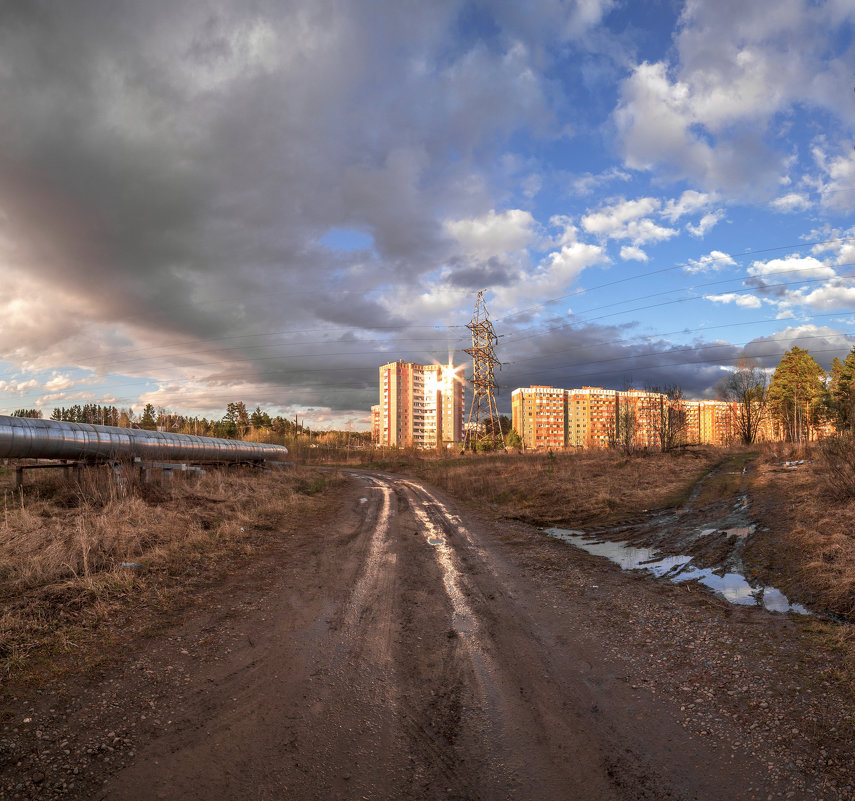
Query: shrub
x=837, y=466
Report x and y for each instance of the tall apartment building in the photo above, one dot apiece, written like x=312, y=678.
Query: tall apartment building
x=539, y=416
x=421, y=405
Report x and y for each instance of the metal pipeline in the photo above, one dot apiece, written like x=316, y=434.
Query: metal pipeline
x=29, y=438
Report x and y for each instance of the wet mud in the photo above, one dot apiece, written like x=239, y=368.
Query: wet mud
x=701, y=542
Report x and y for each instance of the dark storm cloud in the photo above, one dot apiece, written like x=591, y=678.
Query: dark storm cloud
x=606, y=356
x=173, y=167
x=493, y=274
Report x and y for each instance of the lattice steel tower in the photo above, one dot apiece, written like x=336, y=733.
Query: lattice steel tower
x=483, y=408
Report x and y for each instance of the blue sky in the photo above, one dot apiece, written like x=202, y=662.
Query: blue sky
x=265, y=202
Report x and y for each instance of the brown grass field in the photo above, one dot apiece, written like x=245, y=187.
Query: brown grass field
x=579, y=488
x=73, y=556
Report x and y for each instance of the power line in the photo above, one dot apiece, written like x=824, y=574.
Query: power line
x=613, y=340
x=617, y=281
x=516, y=338
x=687, y=362
x=686, y=348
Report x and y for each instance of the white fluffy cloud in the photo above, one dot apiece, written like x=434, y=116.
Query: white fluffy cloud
x=774, y=278
x=18, y=387
x=791, y=202
x=836, y=182
x=556, y=272
x=712, y=262
x=493, y=234
x=744, y=301
x=706, y=223
x=628, y=219
x=834, y=295
x=704, y=116
x=791, y=267
x=566, y=231
x=57, y=383
x=632, y=253
x=690, y=202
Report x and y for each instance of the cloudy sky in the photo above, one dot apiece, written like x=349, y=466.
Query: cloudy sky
x=203, y=202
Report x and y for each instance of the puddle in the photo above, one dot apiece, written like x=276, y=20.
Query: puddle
x=733, y=587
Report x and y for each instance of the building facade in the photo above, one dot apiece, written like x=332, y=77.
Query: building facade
x=593, y=417
x=421, y=405
x=539, y=415
x=375, y=423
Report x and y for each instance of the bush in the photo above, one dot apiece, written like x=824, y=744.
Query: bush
x=837, y=466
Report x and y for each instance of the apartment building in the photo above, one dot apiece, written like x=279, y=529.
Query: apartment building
x=594, y=417
x=717, y=422
x=591, y=417
x=421, y=405
x=375, y=423
x=539, y=416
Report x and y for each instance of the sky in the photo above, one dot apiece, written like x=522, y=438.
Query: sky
x=205, y=202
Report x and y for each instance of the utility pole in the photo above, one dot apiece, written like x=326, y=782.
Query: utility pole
x=484, y=359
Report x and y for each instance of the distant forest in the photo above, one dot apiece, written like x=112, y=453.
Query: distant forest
x=237, y=423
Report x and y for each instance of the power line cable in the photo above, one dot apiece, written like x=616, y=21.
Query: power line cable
x=617, y=281
x=685, y=363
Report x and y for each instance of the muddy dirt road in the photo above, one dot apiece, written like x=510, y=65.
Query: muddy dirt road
x=411, y=651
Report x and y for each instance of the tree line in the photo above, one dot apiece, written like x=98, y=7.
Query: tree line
x=238, y=422
x=799, y=399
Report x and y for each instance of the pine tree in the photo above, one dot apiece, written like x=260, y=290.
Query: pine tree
x=148, y=420
x=842, y=392
x=795, y=394
x=34, y=413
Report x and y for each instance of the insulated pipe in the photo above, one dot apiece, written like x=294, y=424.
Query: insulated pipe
x=29, y=438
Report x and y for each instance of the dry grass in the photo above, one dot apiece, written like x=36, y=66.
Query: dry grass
x=72, y=553
x=810, y=545
x=577, y=489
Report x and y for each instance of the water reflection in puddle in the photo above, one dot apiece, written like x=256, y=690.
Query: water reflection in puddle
x=731, y=586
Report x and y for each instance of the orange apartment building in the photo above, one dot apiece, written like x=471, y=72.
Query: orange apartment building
x=539, y=415
x=375, y=423
x=716, y=422
x=421, y=405
x=595, y=417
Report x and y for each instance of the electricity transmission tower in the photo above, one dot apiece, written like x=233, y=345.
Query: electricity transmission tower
x=483, y=408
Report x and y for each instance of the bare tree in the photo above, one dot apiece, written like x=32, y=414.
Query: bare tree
x=668, y=417
x=746, y=387
x=622, y=429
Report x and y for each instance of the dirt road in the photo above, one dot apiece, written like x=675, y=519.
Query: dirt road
x=410, y=651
